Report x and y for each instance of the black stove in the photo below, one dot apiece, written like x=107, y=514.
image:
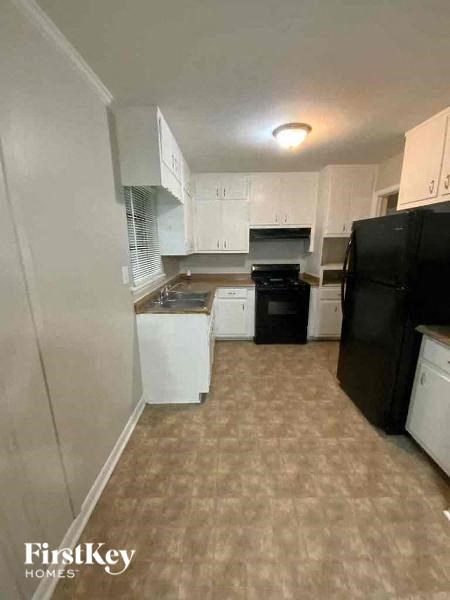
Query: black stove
x=282, y=304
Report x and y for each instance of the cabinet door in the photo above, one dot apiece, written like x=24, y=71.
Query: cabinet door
x=208, y=226
x=330, y=318
x=165, y=143
x=429, y=414
x=361, y=192
x=235, y=227
x=264, y=198
x=340, y=186
x=208, y=186
x=424, y=148
x=444, y=184
x=234, y=187
x=230, y=317
x=298, y=198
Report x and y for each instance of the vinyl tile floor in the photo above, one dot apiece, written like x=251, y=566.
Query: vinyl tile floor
x=274, y=488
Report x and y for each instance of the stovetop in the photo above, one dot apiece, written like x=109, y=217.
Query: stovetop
x=277, y=276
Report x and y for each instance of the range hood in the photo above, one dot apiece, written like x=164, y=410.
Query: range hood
x=280, y=233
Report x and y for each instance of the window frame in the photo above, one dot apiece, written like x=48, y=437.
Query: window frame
x=151, y=226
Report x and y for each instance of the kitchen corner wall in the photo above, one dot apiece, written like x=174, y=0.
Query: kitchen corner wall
x=276, y=251
x=70, y=375
x=389, y=172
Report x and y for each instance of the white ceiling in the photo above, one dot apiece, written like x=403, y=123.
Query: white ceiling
x=226, y=72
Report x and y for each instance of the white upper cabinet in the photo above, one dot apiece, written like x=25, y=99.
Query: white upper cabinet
x=235, y=229
x=283, y=199
x=148, y=152
x=265, y=189
x=298, y=198
x=221, y=186
x=426, y=164
x=347, y=197
x=444, y=183
x=222, y=226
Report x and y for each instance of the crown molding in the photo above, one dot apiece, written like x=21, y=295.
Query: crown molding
x=41, y=21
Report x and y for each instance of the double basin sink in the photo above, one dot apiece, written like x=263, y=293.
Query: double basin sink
x=179, y=300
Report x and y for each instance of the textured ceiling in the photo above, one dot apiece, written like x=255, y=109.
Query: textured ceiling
x=226, y=72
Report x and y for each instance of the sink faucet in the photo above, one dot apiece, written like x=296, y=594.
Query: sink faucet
x=164, y=294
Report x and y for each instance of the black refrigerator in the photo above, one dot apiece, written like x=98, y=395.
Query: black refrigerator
x=396, y=276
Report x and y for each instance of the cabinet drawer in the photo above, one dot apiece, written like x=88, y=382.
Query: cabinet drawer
x=232, y=293
x=437, y=354
x=330, y=293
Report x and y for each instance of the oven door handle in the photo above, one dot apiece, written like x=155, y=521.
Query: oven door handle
x=345, y=270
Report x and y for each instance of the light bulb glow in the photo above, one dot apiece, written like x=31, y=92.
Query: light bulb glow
x=291, y=135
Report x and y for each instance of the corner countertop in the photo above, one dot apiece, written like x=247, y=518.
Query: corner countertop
x=198, y=283
x=440, y=333
x=311, y=279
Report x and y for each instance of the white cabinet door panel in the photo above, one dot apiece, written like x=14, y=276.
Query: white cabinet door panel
x=298, y=198
x=444, y=184
x=429, y=414
x=330, y=318
x=264, y=198
x=230, y=317
x=339, y=201
x=235, y=229
x=422, y=162
x=208, y=226
x=207, y=186
x=234, y=187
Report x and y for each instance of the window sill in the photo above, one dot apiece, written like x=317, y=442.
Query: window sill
x=143, y=288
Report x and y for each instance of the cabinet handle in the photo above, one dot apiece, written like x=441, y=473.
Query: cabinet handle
x=447, y=182
x=217, y=192
x=224, y=192
x=422, y=379
x=335, y=309
x=276, y=218
x=217, y=243
x=431, y=186
x=343, y=227
x=243, y=306
x=225, y=243
x=285, y=218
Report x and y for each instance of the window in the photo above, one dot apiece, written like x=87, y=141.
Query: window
x=143, y=241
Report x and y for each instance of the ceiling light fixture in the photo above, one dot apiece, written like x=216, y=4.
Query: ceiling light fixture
x=291, y=135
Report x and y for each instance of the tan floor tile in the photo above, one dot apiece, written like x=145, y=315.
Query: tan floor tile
x=275, y=487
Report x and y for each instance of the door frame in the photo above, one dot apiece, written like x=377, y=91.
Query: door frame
x=378, y=198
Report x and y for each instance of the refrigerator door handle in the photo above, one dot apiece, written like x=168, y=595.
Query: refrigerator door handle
x=344, y=270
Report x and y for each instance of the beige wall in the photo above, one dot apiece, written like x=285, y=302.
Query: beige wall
x=389, y=172
x=73, y=243
x=289, y=251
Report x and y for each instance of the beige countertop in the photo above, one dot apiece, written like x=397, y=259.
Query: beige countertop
x=441, y=333
x=201, y=283
x=311, y=279
x=197, y=283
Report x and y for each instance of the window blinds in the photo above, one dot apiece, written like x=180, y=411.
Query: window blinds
x=143, y=241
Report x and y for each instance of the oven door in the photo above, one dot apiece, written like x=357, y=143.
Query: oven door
x=281, y=315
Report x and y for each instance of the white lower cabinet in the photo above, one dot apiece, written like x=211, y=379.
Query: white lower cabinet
x=235, y=313
x=429, y=412
x=330, y=318
x=177, y=352
x=325, y=314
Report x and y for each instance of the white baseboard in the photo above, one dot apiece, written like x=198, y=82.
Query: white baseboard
x=47, y=585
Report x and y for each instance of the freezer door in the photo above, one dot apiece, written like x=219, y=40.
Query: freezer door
x=383, y=249
x=372, y=348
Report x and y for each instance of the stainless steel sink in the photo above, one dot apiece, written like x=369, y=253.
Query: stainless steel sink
x=183, y=303
x=177, y=294
x=178, y=300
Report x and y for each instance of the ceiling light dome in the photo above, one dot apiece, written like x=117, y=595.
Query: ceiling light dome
x=291, y=135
